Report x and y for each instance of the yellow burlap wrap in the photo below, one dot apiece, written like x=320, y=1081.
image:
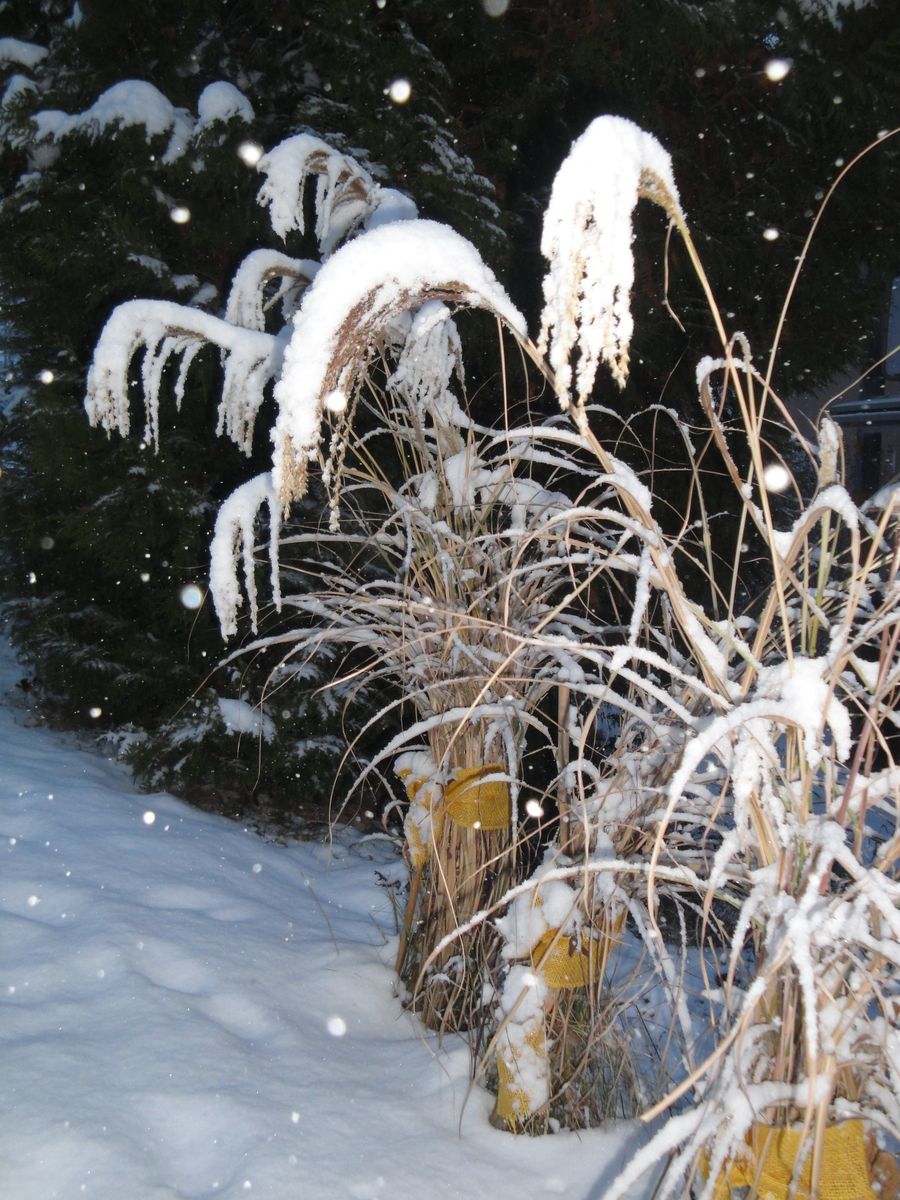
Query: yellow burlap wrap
x=565, y=964
x=467, y=800
x=570, y=964
x=845, y=1168
x=471, y=802
x=513, y=1102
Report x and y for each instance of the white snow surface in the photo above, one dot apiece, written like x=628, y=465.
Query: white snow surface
x=16, y=87
x=222, y=101
x=135, y=102
x=190, y=1012
x=130, y=102
x=242, y=717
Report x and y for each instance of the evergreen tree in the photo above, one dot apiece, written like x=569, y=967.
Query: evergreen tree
x=99, y=538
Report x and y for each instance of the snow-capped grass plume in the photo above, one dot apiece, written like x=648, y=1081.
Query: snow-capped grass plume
x=587, y=242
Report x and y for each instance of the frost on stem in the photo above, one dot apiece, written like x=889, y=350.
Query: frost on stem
x=248, y=301
x=233, y=536
x=350, y=304
x=347, y=197
x=587, y=241
x=830, y=449
x=165, y=330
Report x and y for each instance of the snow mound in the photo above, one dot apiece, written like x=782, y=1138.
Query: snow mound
x=204, y=1014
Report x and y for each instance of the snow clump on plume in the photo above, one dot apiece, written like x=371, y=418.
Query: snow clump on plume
x=355, y=295
x=587, y=241
x=247, y=302
x=165, y=330
x=233, y=533
x=347, y=197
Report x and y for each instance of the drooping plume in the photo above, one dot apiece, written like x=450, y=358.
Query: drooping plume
x=587, y=241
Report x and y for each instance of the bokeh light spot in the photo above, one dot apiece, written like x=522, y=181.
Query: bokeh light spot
x=191, y=596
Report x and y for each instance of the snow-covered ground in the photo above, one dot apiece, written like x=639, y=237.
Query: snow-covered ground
x=189, y=1012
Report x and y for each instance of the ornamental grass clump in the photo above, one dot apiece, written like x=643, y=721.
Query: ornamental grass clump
x=803, y=1073
x=518, y=586
x=449, y=541
x=760, y=782
x=784, y=707
x=461, y=561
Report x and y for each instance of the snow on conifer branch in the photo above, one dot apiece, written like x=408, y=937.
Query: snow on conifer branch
x=354, y=297
x=165, y=330
x=587, y=241
x=347, y=197
x=21, y=54
x=137, y=103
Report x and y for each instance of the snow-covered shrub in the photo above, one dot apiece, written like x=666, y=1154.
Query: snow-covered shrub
x=752, y=769
x=453, y=551
x=444, y=546
x=750, y=750
x=465, y=559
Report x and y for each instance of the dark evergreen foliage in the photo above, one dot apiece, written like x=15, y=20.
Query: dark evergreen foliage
x=98, y=537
